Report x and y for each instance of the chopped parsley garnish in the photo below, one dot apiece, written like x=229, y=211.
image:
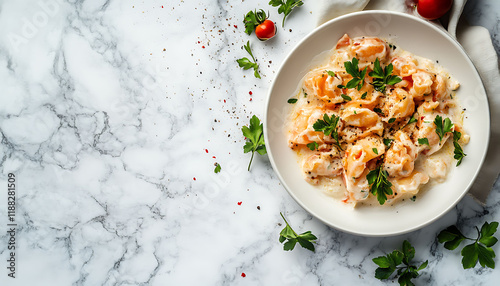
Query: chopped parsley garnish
x=380, y=185
x=312, y=146
x=358, y=78
x=304, y=239
x=383, y=77
x=255, y=137
x=392, y=120
x=390, y=263
x=363, y=96
x=346, y=97
x=423, y=141
x=442, y=126
x=375, y=150
x=217, y=168
x=292, y=100
x=459, y=153
x=330, y=73
x=285, y=7
x=246, y=64
x=480, y=250
x=387, y=142
x=412, y=120
x=328, y=126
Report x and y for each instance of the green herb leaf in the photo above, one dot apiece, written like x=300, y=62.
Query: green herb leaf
x=246, y=64
x=304, y=239
x=363, y=96
x=253, y=19
x=392, y=261
x=383, y=77
x=330, y=73
x=346, y=97
x=329, y=127
x=285, y=7
x=375, y=150
x=458, y=151
x=442, y=126
x=412, y=120
x=217, y=168
x=392, y=120
x=380, y=185
x=292, y=100
x=423, y=141
x=387, y=142
x=312, y=146
x=255, y=136
x=358, y=78
x=479, y=250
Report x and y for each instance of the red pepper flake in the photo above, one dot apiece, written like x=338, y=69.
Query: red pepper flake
x=213, y=157
x=199, y=42
x=224, y=101
x=250, y=92
x=243, y=274
x=194, y=178
x=239, y=203
x=202, y=47
x=422, y=118
x=236, y=26
x=162, y=6
x=206, y=150
x=250, y=99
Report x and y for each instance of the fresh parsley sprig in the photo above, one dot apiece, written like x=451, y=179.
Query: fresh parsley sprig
x=312, y=146
x=380, y=185
x=383, y=77
x=304, y=239
x=255, y=136
x=253, y=19
x=329, y=127
x=285, y=7
x=246, y=64
x=480, y=250
x=459, y=152
x=442, y=126
x=391, y=262
x=358, y=77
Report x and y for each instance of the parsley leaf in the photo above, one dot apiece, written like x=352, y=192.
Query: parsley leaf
x=346, y=97
x=304, y=239
x=423, y=141
x=312, y=146
x=387, y=142
x=330, y=73
x=285, y=7
x=246, y=64
x=253, y=19
x=480, y=250
x=217, y=168
x=363, y=96
x=292, y=100
x=329, y=127
x=380, y=185
x=412, y=120
x=255, y=137
x=391, y=262
x=459, y=153
x=442, y=126
x=358, y=78
x=383, y=77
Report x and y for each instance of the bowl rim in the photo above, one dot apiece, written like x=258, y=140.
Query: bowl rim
x=442, y=32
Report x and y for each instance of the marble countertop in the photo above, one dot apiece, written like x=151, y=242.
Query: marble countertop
x=112, y=116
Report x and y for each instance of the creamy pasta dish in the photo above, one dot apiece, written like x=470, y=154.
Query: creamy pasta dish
x=374, y=123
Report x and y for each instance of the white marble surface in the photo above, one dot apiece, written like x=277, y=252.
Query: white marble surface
x=112, y=115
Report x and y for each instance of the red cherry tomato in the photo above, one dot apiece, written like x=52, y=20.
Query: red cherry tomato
x=265, y=30
x=433, y=9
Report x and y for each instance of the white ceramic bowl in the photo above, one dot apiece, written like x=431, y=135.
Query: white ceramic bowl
x=421, y=38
